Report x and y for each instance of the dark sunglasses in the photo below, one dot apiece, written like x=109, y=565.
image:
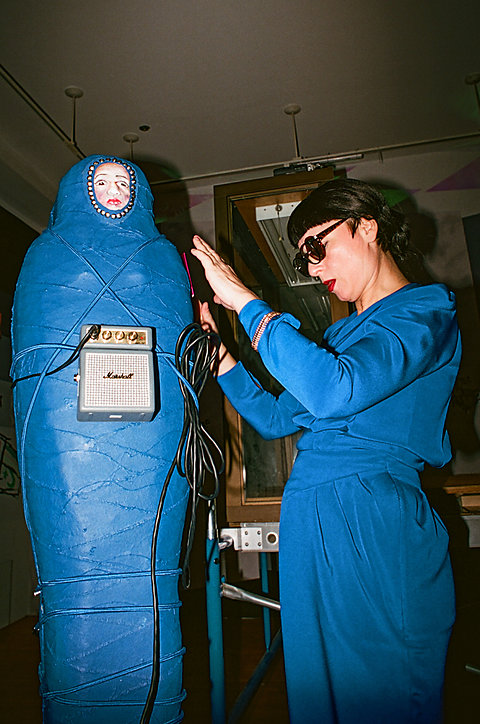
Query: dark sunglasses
x=312, y=250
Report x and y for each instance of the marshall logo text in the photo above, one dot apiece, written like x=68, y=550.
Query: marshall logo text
x=118, y=376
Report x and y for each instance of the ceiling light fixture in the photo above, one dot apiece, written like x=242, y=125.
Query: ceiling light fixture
x=291, y=110
x=474, y=79
x=40, y=111
x=74, y=92
x=299, y=163
x=131, y=138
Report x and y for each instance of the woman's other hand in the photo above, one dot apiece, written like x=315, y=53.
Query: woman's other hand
x=225, y=359
x=228, y=289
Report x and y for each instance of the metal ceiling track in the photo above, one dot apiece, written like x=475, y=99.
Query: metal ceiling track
x=329, y=159
x=69, y=142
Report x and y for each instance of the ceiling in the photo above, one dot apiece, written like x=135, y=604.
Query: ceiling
x=211, y=78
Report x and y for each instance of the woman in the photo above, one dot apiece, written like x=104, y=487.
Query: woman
x=365, y=579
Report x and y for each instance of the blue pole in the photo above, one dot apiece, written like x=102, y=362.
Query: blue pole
x=267, y=625
x=214, y=620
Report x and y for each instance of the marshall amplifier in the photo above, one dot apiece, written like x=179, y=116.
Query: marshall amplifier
x=116, y=375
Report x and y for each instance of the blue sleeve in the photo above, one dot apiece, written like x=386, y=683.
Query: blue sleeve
x=270, y=416
x=388, y=351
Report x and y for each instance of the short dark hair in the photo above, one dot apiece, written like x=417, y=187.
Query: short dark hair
x=348, y=198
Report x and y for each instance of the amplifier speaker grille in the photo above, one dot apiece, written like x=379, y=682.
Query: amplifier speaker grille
x=117, y=380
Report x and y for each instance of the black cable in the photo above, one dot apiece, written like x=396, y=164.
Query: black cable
x=195, y=354
x=93, y=331
x=152, y=693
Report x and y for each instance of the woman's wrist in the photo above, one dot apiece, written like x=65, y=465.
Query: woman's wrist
x=244, y=299
x=226, y=361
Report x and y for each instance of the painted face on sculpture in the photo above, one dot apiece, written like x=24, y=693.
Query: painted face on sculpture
x=112, y=186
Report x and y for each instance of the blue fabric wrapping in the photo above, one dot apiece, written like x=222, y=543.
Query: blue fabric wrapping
x=366, y=585
x=91, y=489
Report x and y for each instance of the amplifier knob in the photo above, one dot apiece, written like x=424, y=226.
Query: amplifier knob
x=132, y=336
x=106, y=334
x=119, y=334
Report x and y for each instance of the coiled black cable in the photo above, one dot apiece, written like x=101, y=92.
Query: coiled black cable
x=196, y=352
x=195, y=356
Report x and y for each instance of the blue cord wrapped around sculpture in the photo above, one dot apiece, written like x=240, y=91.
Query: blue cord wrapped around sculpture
x=91, y=489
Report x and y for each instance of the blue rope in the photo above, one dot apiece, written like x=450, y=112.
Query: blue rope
x=58, y=347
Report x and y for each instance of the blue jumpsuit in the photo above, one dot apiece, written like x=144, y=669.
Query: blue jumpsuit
x=365, y=579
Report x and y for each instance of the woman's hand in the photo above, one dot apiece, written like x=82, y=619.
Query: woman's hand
x=224, y=361
x=227, y=288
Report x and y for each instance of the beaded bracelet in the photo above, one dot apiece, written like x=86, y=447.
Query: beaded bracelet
x=262, y=326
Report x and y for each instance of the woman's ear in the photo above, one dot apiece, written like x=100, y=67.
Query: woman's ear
x=369, y=229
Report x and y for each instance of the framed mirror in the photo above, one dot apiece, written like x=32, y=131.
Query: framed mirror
x=250, y=227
